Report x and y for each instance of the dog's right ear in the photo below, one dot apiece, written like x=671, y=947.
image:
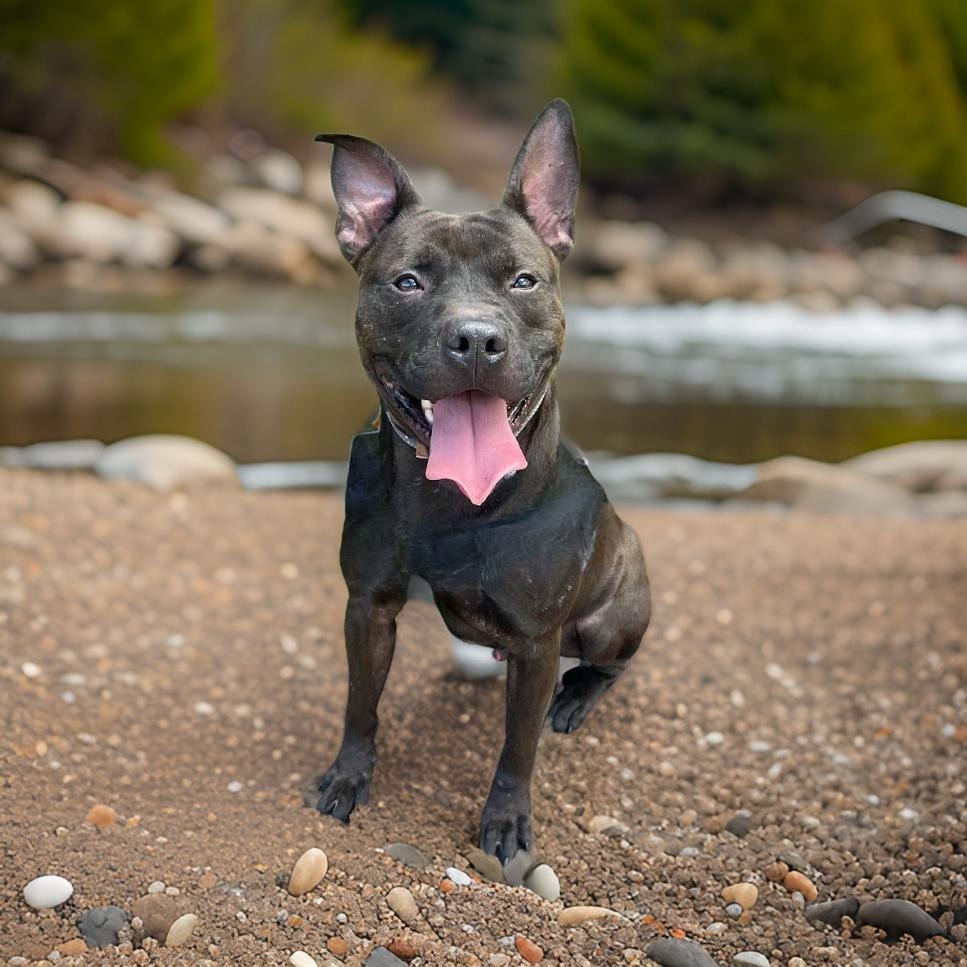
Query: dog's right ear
x=371, y=189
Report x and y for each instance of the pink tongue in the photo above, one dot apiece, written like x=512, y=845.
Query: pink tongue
x=472, y=444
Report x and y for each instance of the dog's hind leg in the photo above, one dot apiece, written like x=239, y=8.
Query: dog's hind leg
x=607, y=635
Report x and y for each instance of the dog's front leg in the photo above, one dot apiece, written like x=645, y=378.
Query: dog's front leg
x=505, y=826
x=370, y=641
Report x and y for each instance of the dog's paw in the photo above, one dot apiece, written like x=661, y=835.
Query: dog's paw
x=505, y=826
x=581, y=688
x=341, y=790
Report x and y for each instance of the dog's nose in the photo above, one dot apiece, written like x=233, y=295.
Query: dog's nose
x=475, y=343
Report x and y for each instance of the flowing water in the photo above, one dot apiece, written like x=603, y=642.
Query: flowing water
x=272, y=374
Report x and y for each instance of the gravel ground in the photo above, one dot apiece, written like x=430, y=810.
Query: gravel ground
x=178, y=658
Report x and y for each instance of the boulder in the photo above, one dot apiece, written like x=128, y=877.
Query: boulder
x=93, y=232
x=927, y=466
x=278, y=170
x=193, y=220
x=166, y=462
x=17, y=250
x=614, y=244
x=817, y=487
x=259, y=249
x=294, y=217
x=36, y=209
x=151, y=245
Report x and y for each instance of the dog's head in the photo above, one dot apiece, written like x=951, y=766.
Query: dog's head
x=457, y=312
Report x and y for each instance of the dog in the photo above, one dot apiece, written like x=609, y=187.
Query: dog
x=467, y=482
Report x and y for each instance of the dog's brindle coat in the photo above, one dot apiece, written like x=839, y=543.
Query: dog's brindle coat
x=544, y=567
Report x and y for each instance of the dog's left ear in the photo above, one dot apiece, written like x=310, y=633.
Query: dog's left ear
x=543, y=183
x=371, y=189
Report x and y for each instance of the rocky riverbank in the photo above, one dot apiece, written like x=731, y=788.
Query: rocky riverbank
x=258, y=211
x=923, y=479
x=171, y=667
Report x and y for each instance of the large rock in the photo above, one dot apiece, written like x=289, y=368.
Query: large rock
x=191, y=219
x=17, y=249
x=294, y=217
x=93, y=232
x=258, y=249
x=823, y=488
x=927, y=466
x=36, y=209
x=151, y=245
x=166, y=462
x=279, y=170
x=57, y=455
x=614, y=244
x=671, y=952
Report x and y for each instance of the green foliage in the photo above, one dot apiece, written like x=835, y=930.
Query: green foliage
x=498, y=51
x=137, y=64
x=297, y=67
x=760, y=93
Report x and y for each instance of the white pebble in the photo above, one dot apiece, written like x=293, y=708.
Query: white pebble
x=543, y=881
x=181, y=930
x=204, y=708
x=234, y=786
x=714, y=738
x=751, y=958
x=30, y=669
x=301, y=959
x=458, y=876
x=45, y=892
x=156, y=887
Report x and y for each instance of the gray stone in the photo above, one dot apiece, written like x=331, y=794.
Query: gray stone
x=898, y=917
x=408, y=855
x=165, y=462
x=751, y=957
x=740, y=825
x=381, y=957
x=734, y=910
x=679, y=953
x=833, y=911
x=926, y=466
x=60, y=455
x=519, y=865
x=16, y=247
x=100, y=925
x=543, y=881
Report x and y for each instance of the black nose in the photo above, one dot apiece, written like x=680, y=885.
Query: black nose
x=475, y=344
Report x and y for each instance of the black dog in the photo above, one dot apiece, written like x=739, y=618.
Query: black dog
x=467, y=483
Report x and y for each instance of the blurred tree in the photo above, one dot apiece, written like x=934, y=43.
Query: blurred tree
x=752, y=96
x=93, y=71
x=296, y=66
x=498, y=51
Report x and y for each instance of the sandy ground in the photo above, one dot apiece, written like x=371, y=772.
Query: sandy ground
x=179, y=647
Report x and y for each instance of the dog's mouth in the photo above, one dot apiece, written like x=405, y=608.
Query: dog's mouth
x=469, y=437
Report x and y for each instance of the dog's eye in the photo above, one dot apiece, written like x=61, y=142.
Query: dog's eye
x=524, y=281
x=407, y=283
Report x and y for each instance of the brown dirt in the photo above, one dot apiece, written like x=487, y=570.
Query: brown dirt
x=836, y=647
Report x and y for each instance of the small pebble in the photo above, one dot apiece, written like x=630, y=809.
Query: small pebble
x=46, y=892
x=102, y=816
x=486, y=865
x=796, y=962
x=100, y=925
x=30, y=669
x=71, y=948
x=833, y=911
x=337, y=946
x=796, y=882
x=607, y=826
x=740, y=825
x=734, y=910
x=543, y=881
x=678, y=953
x=381, y=957
x=301, y=959
x=744, y=894
x=570, y=916
x=406, y=948
x=898, y=917
x=752, y=958
x=181, y=930
x=408, y=855
x=403, y=904
x=156, y=887
x=458, y=876
x=157, y=913
x=235, y=786
x=528, y=949
x=498, y=960
x=308, y=871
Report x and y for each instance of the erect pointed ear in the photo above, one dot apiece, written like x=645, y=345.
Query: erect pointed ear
x=543, y=183
x=371, y=189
